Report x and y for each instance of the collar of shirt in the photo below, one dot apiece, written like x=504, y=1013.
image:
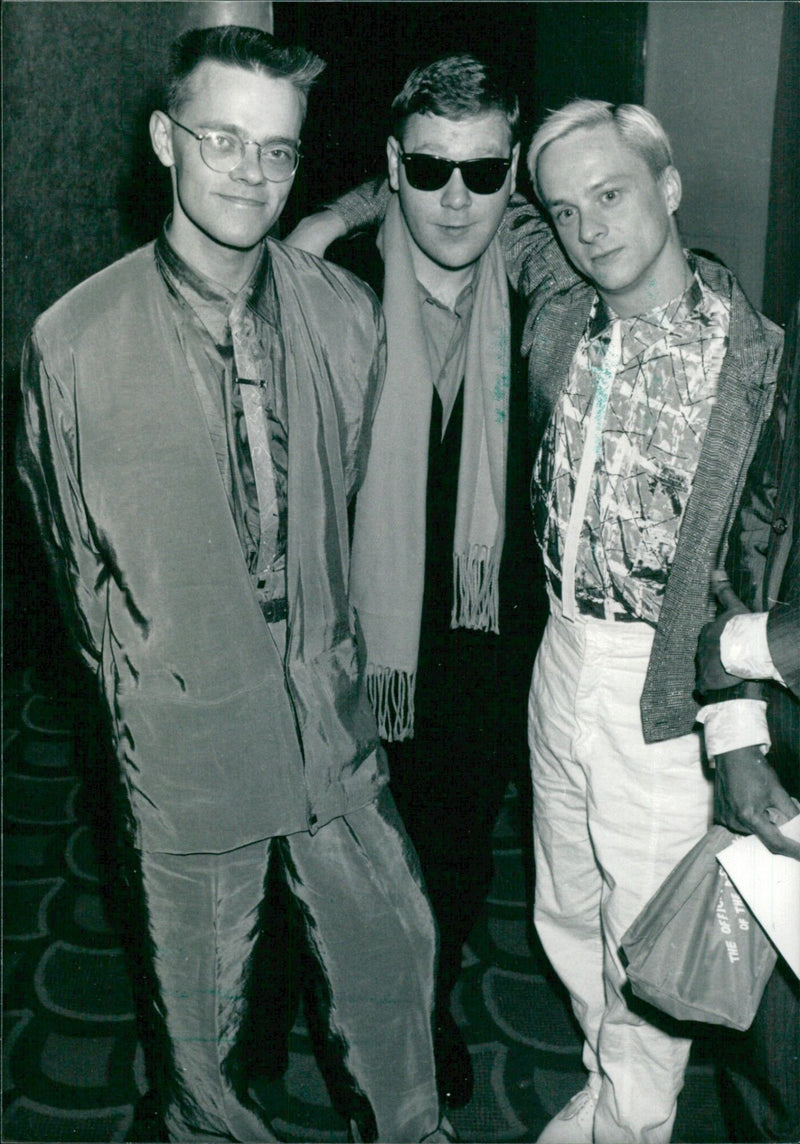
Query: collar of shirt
x=463, y=305
x=445, y=332
x=648, y=328
x=210, y=301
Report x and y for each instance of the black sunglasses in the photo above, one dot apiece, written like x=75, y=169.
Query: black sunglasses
x=430, y=173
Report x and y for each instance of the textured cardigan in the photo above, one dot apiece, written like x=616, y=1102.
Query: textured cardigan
x=559, y=304
x=220, y=741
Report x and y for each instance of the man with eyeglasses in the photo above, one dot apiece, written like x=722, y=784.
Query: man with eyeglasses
x=196, y=417
x=442, y=544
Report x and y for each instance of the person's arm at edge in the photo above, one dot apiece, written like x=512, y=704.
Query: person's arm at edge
x=532, y=253
x=748, y=795
x=783, y=636
x=353, y=211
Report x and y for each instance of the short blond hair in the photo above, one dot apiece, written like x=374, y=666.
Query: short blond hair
x=636, y=126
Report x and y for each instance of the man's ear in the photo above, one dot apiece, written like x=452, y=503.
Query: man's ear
x=161, y=137
x=514, y=162
x=672, y=188
x=393, y=159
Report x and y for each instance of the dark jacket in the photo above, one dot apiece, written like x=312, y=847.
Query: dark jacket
x=764, y=555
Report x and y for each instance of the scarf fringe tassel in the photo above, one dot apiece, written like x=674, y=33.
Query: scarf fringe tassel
x=476, y=594
x=391, y=693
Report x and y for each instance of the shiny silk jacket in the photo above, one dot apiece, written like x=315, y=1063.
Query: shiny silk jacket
x=220, y=741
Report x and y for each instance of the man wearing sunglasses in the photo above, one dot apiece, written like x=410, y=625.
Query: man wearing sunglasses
x=442, y=544
x=196, y=417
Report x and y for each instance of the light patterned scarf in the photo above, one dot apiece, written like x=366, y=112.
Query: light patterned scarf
x=388, y=557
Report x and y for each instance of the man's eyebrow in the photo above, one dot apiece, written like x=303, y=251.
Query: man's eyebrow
x=234, y=129
x=596, y=186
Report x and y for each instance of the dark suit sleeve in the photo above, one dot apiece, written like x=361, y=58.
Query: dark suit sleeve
x=750, y=535
x=783, y=635
x=764, y=557
x=783, y=625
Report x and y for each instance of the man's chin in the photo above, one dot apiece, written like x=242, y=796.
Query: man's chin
x=454, y=261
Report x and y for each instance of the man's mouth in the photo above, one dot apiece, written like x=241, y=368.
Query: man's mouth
x=243, y=200
x=606, y=256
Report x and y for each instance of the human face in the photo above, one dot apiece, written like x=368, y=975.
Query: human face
x=219, y=220
x=451, y=227
x=614, y=218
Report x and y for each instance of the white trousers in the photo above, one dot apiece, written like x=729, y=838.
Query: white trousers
x=612, y=816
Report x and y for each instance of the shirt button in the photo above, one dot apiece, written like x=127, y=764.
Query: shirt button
x=779, y=525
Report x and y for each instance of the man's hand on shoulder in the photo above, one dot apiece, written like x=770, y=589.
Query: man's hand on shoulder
x=316, y=232
x=749, y=799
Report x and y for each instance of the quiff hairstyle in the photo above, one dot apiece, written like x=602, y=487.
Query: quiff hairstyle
x=636, y=126
x=456, y=87
x=236, y=46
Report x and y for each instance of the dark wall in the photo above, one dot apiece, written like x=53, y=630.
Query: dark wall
x=79, y=189
x=80, y=182
x=550, y=51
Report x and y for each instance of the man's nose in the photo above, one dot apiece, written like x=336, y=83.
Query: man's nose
x=592, y=227
x=249, y=168
x=455, y=194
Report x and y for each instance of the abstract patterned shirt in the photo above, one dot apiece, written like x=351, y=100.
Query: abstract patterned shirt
x=655, y=421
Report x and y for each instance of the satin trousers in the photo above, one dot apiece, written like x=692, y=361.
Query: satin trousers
x=371, y=934
x=612, y=816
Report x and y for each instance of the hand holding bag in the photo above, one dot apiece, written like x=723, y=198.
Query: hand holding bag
x=696, y=951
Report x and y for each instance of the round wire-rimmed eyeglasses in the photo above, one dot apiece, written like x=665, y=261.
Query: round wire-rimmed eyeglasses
x=223, y=152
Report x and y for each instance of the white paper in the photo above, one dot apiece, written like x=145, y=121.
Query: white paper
x=770, y=884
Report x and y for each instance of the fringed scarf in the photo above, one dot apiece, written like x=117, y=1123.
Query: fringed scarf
x=388, y=557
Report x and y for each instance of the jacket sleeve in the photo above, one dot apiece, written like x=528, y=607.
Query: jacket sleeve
x=372, y=394
x=783, y=634
x=364, y=206
x=774, y=464
x=747, y=555
x=533, y=256
x=49, y=465
x=783, y=625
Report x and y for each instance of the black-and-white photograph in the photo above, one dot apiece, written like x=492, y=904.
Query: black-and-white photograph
x=401, y=571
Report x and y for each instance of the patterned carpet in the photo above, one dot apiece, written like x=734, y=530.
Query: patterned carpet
x=73, y=1067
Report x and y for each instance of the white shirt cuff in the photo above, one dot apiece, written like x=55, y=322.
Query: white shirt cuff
x=734, y=724
x=744, y=648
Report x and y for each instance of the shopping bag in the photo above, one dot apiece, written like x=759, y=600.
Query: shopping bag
x=696, y=951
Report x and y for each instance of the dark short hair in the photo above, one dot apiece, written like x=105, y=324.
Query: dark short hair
x=456, y=87
x=242, y=47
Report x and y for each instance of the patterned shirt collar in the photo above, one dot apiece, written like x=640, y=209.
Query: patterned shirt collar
x=661, y=318
x=211, y=301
